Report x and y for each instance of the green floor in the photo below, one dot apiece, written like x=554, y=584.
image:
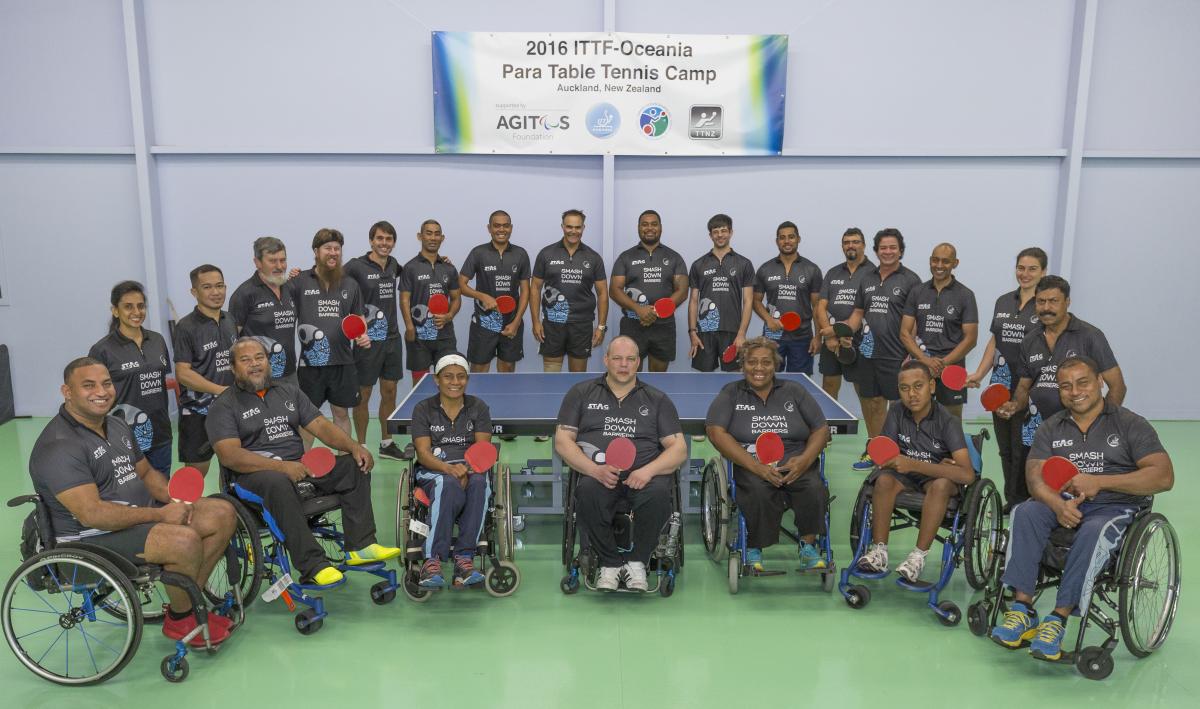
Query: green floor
x=780, y=639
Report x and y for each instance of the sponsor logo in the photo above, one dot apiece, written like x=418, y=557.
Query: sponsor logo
x=251, y=412
x=345, y=295
x=1113, y=441
x=289, y=406
x=1071, y=353
x=1062, y=443
x=587, y=264
x=644, y=410
x=597, y=407
x=533, y=122
x=744, y=407
x=654, y=121
x=949, y=309
x=603, y=120
x=789, y=406
x=896, y=290
x=126, y=442
x=706, y=122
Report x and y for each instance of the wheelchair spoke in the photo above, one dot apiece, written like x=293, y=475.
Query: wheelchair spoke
x=47, y=652
x=36, y=610
x=35, y=632
x=98, y=641
x=88, y=645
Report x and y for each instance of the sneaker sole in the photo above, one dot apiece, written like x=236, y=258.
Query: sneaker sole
x=1039, y=655
x=396, y=456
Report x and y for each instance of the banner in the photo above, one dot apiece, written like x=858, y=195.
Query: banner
x=608, y=93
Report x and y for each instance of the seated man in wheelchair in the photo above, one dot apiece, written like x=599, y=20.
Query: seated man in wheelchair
x=1122, y=466
x=443, y=427
x=760, y=403
x=933, y=459
x=255, y=427
x=100, y=490
x=593, y=413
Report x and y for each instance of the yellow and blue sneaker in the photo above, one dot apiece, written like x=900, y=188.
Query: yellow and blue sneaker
x=371, y=554
x=1048, y=643
x=327, y=576
x=754, y=559
x=810, y=557
x=1017, y=627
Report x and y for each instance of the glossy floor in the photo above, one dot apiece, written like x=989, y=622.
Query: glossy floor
x=780, y=639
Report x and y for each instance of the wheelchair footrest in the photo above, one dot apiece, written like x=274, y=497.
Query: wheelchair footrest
x=917, y=586
x=373, y=566
x=830, y=569
x=751, y=571
x=870, y=576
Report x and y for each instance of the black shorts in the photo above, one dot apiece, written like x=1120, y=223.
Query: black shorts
x=573, y=339
x=335, y=383
x=423, y=354
x=877, y=378
x=193, y=439
x=913, y=482
x=128, y=543
x=709, y=358
x=483, y=345
x=831, y=367
x=657, y=341
x=382, y=359
x=948, y=397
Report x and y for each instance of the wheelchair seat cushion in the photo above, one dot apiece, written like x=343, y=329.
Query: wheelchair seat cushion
x=317, y=506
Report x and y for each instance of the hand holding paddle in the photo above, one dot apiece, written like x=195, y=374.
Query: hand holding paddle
x=505, y=304
x=730, y=354
x=481, y=456
x=319, y=461
x=1057, y=471
x=664, y=308
x=882, y=450
x=954, y=377
x=620, y=453
x=768, y=449
x=791, y=321
x=439, y=305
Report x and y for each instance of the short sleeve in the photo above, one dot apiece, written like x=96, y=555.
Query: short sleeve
x=523, y=267
x=680, y=269
x=1041, y=449
x=184, y=347
x=810, y=410
x=891, y=424
x=970, y=309
x=468, y=267
x=720, y=411
x=598, y=272
x=910, y=303
x=952, y=435
x=100, y=352
x=1021, y=367
x=747, y=274
x=760, y=282
x=406, y=285
x=221, y=422
x=816, y=280
x=620, y=266
x=694, y=276
x=453, y=279
x=304, y=406
x=1101, y=352
x=356, y=299
x=569, y=413
x=668, y=418
x=420, y=421
x=1141, y=437
x=860, y=298
x=823, y=293
x=539, y=265
x=60, y=467
x=482, y=417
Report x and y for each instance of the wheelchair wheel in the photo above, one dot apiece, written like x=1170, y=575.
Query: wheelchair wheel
x=503, y=522
x=502, y=579
x=977, y=617
x=57, y=628
x=568, y=541
x=402, y=492
x=327, y=530
x=714, y=510
x=412, y=585
x=1094, y=663
x=246, y=549
x=735, y=571
x=1148, y=576
x=860, y=503
x=982, y=530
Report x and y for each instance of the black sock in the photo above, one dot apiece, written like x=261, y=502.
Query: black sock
x=1061, y=617
x=177, y=616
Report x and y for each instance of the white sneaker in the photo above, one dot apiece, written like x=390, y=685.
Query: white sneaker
x=875, y=560
x=699, y=439
x=635, y=576
x=912, y=566
x=609, y=578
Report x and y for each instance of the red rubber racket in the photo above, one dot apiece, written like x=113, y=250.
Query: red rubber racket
x=354, y=327
x=439, y=304
x=421, y=497
x=505, y=304
x=620, y=453
x=994, y=397
x=1057, y=471
x=768, y=447
x=664, y=307
x=881, y=449
x=841, y=329
x=954, y=377
x=186, y=485
x=319, y=461
x=730, y=354
x=790, y=321
x=481, y=456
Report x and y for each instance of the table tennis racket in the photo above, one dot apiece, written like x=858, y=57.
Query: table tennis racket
x=790, y=321
x=354, y=327
x=620, y=453
x=994, y=397
x=439, y=304
x=319, y=461
x=481, y=456
x=881, y=449
x=841, y=329
x=664, y=307
x=505, y=304
x=186, y=485
x=730, y=354
x=768, y=448
x=954, y=377
x=1057, y=471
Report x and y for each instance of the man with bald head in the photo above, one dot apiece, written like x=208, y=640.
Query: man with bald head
x=941, y=323
x=593, y=413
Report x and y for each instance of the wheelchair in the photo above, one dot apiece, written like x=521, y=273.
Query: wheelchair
x=723, y=527
x=969, y=535
x=1142, y=575
x=73, y=612
x=496, y=542
x=666, y=560
x=262, y=542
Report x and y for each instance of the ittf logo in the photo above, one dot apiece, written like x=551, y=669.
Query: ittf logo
x=706, y=123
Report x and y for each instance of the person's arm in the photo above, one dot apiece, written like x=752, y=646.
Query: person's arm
x=854, y=322
x=189, y=378
x=958, y=355
x=1116, y=386
x=821, y=318
x=960, y=471
x=908, y=338
x=325, y=431
x=673, y=454
x=733, y=452
x=447, y=318
x=800, y=464
x=601, y=287
x=233, y=456
x=616, y=291
x=577, y=460
x=680, y=294
x=154, y=480
x=486, y=301
x=760, y=309
x=814, y=344
x=426, y=459
x=747, y=311
x=1019, y=400
x=693, y=320
x=410, y=330
x=84, y=503
x=985, y=364
x=510, y=330
x=535, y=308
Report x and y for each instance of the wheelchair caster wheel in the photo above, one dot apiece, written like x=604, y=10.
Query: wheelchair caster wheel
x=569, y=584
x=735, y=571
x=307, y=621
x=1094, y=663
x=667, y=587
x=412, y=588
x=381, y=594
x=977, y=618
x=952, y=614
x=827, y=582
x=858, y=596
x=502, y=579
x=174, y=670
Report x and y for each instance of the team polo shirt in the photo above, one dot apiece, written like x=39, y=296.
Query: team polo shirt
x=204, y=343
x=839, y=289
x=645, y=416
x=422, y=278
x=789, y=411
x=940, y=315
x=789, y=291
x=932, y=440
x=1113, y=445
x=319, y=316
x=649, y=276
x=140, y=377
x=1038, y=363
x=268, y=425
x=378, y=288
x=1010, y=324
x=882, y=302
x=719, y=283
x=568, y=282
x=69, y=454
x=449, y=437
x=258, y=313
x=496, y=273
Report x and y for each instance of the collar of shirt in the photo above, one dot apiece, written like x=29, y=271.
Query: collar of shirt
x=78, y=426
x=120, y=337
x=867, y=264
x=776, y=385
x=935, y=411
x=603, y=382
x=949, y=286
x=202, y=317
x=366, y=259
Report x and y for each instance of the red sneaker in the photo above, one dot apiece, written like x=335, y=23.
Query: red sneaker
x=218, y=632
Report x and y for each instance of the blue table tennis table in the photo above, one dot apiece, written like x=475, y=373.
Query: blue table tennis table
x=527, y=403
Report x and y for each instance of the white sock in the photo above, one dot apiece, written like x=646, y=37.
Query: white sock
x=920, y=553
x=385, y=443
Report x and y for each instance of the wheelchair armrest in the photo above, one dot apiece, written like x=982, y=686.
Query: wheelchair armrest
x=22, y=500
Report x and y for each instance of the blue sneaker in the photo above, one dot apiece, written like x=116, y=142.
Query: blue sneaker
x=465, y=573
x=754, y=558
x=1048, y=643
x=431, y=574
x=863, y=464
x=810, y=557
x=1017, y=627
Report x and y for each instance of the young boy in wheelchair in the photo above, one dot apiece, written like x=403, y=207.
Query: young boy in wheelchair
x=1122, y=466
x=933, y=459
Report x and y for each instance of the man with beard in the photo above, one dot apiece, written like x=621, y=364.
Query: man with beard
x=324, y=295
x=789, y=283
x=376, y=272
x=255, y=428
x=721, y=295
x=202, y=340
x=641, y=276
x=835, y=304
x=262, y=307
x=500, y=268
x=569, y=282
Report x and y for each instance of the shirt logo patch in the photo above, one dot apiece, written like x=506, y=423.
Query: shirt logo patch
x=587, y=264
x=644, y=411
x=1062, y=443
x=789, y=406
x=289, y=406
x=514, y=268
x=163, y=359
x=1114, y=440
x=896, y=290
x=345, y=295
x=744, y=407
x=1071, y=353
x=949, y=309
x=597, y=407
x=128, y=444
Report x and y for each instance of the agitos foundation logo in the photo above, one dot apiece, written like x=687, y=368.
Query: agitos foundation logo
x=533, y=121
